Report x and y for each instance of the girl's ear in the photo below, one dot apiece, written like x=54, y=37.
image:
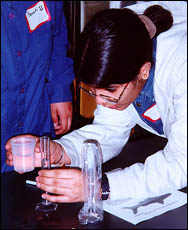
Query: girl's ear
x=144, y=71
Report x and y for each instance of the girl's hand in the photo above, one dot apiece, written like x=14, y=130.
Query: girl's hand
x=66, y=184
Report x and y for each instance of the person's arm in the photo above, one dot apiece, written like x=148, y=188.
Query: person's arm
x=60, y=74
x=111, y=128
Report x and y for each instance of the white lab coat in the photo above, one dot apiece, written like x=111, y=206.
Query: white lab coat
x=165, y=170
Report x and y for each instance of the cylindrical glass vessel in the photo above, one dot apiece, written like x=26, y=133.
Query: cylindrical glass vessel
x=91, y=161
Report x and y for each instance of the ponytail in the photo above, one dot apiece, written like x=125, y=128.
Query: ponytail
x=161, y=18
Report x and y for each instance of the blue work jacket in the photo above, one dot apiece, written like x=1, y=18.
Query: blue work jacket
x=35, y=71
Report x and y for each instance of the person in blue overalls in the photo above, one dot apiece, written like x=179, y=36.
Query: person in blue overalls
x=135, y=65
x=36, y=74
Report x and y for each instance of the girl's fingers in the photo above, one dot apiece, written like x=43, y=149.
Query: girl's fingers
x=54, y=190
x=65, y=183
x=60, y=173
x=58, y=198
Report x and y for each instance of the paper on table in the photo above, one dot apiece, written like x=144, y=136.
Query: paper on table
x=136, y=211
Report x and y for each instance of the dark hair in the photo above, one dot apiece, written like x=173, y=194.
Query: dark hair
x=161, y=17
x=115, y=44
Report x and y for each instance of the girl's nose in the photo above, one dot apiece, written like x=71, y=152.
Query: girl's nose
x=99, y=100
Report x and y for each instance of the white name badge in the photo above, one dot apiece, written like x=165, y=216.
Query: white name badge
x=152, y=113
x=37, y=15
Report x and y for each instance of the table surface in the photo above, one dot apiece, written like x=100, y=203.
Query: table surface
x=18, y=202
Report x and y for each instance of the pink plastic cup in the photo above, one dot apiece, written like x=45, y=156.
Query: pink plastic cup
x=23, y=153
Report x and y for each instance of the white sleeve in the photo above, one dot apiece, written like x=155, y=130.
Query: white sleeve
x=166, y=170
x=111, y=128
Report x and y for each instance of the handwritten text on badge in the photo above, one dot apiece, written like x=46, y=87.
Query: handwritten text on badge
x=37, y=15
